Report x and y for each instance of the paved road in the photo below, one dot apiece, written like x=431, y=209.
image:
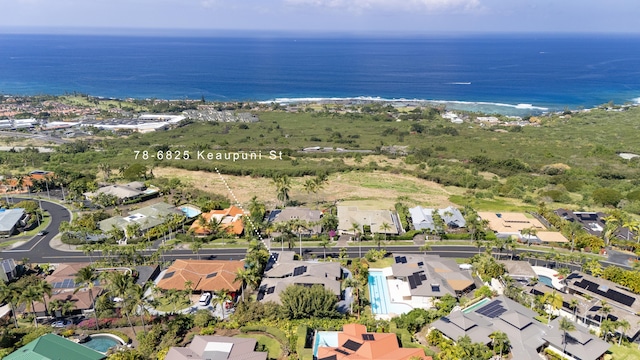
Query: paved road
x=38, y=248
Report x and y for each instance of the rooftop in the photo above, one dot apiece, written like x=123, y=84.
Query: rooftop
x=217, y=348
x=54, y=347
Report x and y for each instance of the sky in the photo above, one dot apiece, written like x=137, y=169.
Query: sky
x=342, y=16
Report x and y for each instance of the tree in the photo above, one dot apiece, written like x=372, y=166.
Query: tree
x=624, y=325
x=425, y=247
x=29, y=296
x=45, y=290
x=221, y=297
x=529, y=233
x=572, y=228
x=310, y=186
x=326, y=243
x=500, y=343
x=385, y=227
x=300, y=302
x=196, y=245
x=566, y=325
x=119, y=285
x=245, y=276
x=607, y=326
x=573, y=305
x=554, y=301
x=283, y=186
x=10, y=294
x=86, y=278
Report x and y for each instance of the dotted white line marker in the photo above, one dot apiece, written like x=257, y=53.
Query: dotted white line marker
x=238, y=204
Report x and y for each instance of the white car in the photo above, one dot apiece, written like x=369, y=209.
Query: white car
x=204, y=299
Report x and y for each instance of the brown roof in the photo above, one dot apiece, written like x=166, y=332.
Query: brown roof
x=205, y=275
x=230, y=218
x=551, y=236
x=510, y=222
x=384, y=346
x=65, y=271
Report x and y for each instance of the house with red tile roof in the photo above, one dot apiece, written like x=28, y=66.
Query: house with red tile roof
x=230, y=219
x=204, y=275
x=354, y=342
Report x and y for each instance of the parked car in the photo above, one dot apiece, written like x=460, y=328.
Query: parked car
x=62, y=323
x=204, y=299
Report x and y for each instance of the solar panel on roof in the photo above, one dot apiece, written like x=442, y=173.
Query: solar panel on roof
x=342, y=352
x=299, y=270
x=403, y=259
x=423, y=277
x=420, y=263
x=271, y=290
x=168, y=275
x=332, y=357
x=397, y=259
x=212, y=275
x=492, y=310
x=412, y=282
x=367, y=337
x=351, y=345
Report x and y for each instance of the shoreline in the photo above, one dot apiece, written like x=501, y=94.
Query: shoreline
x=483, y=107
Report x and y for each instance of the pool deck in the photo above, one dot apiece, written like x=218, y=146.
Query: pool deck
x=388, y=303
x=551, y=274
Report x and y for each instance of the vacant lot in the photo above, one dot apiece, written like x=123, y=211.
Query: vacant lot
x=378, y=189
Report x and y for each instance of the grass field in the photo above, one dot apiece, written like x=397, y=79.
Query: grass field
x=273, y=346
x=629, y=352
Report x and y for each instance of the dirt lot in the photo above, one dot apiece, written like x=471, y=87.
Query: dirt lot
x=377, y=189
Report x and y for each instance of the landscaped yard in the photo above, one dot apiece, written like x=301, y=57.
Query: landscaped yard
x=630, y=352
x=167, y=304
x=272, y=345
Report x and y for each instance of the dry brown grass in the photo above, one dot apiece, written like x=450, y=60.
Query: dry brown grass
x=369, y=189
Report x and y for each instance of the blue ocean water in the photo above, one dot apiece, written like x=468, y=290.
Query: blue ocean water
x=539, y=71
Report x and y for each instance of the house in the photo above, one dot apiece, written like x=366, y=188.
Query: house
x=204, y=275
x=423, y=218
x=593, y=222
x=520, y=271
x=10, y=220
x=624, y=304
x=230, y=220
x=212, y=347
x=528, y=337
x=144, y=218
x=54, y=347
x=379, y=221
x=64, y=288
x=418, y=279
x=298, y=213
x=9, y=270
x=130, y=192
x=354, y=342
x=510, y=224
x=283, y=271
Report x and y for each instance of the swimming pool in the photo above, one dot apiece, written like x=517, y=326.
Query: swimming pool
x=476, y=305
x=325, y=339
x=103, y=342
x=190, y=212
x=546, y=280
x=379, y=296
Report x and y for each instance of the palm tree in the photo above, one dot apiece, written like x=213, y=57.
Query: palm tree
x=624, y=325
x=196, y=245
x=298, y=226
x=554, y=301
x=86, y=278
x=65, y=307
x=566, y=325
x=572, y=228
x=245, y=276
x=10, y=294
x=136, y=300
x=310, y=186
x=385, y=227
x=45, y=289
x=573, y=304
x=425, y=247
x=283, y=186
x=564, y=272
x=29, y=296
x=320, y=180
x=607, y=326
x=499, y=340
x=326, y=243
x=221, y=298
x=529, y=232
x=119, y=285
x=510, y=244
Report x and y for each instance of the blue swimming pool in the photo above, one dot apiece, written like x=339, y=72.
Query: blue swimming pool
x=325, y=339
x=476, y=305
x=190, y=212
x=103, y=342
x=545, y=280
x=379, y=296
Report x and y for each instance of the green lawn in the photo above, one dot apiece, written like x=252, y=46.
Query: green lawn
x=272, y=345
x=630, y=352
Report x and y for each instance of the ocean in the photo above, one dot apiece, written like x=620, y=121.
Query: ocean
x=491, y=73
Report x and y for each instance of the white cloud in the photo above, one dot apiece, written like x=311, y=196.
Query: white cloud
x=360, y=6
